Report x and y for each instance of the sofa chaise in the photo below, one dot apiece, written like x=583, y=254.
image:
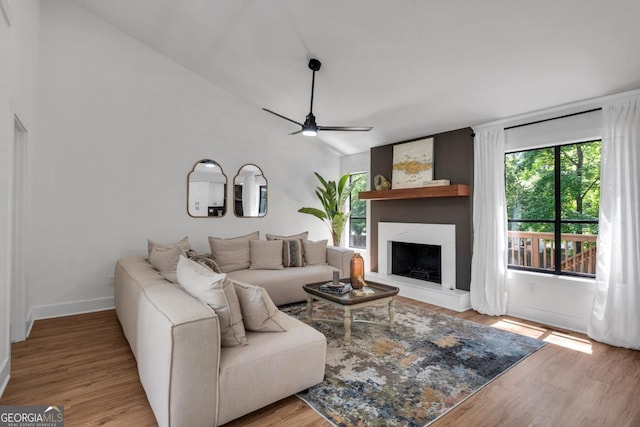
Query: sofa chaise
x=189, y=378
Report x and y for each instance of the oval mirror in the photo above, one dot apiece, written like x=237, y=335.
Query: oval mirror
x=250, y=192
x=206, y=190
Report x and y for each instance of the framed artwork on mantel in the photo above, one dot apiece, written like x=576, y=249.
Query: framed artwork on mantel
x=412, y=164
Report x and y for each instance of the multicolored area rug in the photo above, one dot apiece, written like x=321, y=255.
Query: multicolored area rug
x=408, y=376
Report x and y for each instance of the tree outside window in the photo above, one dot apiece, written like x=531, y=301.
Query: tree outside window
x=358, y=215
x=552, y=208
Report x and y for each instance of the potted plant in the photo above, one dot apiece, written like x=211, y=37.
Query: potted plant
x=332, y=196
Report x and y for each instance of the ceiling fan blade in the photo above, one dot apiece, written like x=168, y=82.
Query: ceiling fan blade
x=282, y=117
x=346, y=128
x=296, y=132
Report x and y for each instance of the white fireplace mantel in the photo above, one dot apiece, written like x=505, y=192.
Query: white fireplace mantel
x=443, y=235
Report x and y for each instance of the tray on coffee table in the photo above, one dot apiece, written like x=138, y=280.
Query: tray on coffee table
x=380, y=291
x=382, y=295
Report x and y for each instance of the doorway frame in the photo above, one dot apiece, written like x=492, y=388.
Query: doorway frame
x=17, y=286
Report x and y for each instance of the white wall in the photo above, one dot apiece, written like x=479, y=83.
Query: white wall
x=121, y=126
x=560, y=301
x=6, y=141
x=18, y=60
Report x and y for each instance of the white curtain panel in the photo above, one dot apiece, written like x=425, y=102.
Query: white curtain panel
x=616, y=310
x=489, y=262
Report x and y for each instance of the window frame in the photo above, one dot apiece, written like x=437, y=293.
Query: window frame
x=557, y=221
x=364, y=174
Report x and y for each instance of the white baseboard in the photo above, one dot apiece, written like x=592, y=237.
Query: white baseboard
x=455, y=300
x=30, y=321
x=70, y=308
x=550, y=318
x=5, y=374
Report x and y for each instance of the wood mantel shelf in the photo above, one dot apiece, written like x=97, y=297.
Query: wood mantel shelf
x=457, y=190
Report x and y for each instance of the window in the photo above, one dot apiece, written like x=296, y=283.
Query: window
x=358, y=212
x=552, y=208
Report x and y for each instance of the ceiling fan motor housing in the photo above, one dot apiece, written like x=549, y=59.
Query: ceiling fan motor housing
x=310, y=120
x=314, y=64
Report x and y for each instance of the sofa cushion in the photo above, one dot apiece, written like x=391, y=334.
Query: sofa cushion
x=301, y=236
x=183, y=243
x=203, y=259
x=292, y=253
x=259, y=313
x=315, y=253
x=277, y=366
x=165, y=259
x=219, y=293
x=266, y=255
x=285, y=286
x=234, y=253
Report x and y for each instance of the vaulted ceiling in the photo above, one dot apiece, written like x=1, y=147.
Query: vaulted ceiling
x=408, y=68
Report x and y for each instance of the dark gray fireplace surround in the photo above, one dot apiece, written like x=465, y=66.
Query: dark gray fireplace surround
x=453, y=160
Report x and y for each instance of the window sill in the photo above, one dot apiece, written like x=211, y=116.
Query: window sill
x=585, y=284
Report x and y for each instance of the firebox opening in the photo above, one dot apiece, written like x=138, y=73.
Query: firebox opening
x=418, y=261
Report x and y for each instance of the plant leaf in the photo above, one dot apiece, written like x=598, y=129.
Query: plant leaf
x=346, y=193
x=341, y=183
x=315, y=212
x=322, y=180
x=332, y=196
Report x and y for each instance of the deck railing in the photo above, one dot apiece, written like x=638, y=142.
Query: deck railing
x=537, y=251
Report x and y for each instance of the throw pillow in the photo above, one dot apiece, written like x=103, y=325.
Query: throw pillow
x=165, y=260
x=203, y=259
x=232, y=254
x=183, y=243
x=259, y=313
x=292, y=253
x=301, y=236
x=315, y=253
x=219, y=293
x=266, y=255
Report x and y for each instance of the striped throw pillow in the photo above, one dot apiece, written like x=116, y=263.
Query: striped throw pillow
x=292, y=253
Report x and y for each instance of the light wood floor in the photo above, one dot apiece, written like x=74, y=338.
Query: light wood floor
x=84, y=363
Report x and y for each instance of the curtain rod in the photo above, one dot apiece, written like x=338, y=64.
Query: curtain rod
x=553, y=118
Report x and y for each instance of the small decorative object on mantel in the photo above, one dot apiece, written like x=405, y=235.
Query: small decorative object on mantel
x=412, y=164
x=381, y=183
x=357, y=271
x=436, y=183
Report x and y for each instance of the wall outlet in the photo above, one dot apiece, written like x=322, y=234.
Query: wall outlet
x=110, y=281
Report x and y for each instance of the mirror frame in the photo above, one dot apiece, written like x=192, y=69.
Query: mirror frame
x=226, y=183
x=266, y=198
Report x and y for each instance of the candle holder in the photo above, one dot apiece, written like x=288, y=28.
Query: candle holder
x=357, y=271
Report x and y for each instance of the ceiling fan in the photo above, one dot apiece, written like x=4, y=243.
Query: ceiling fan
x=309, y=127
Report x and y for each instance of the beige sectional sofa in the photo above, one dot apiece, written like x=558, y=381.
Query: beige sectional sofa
x=250, y=259
x=189, y=378
x=285, y=286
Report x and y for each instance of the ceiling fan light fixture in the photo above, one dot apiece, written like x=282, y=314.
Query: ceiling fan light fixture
x=309, y=128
